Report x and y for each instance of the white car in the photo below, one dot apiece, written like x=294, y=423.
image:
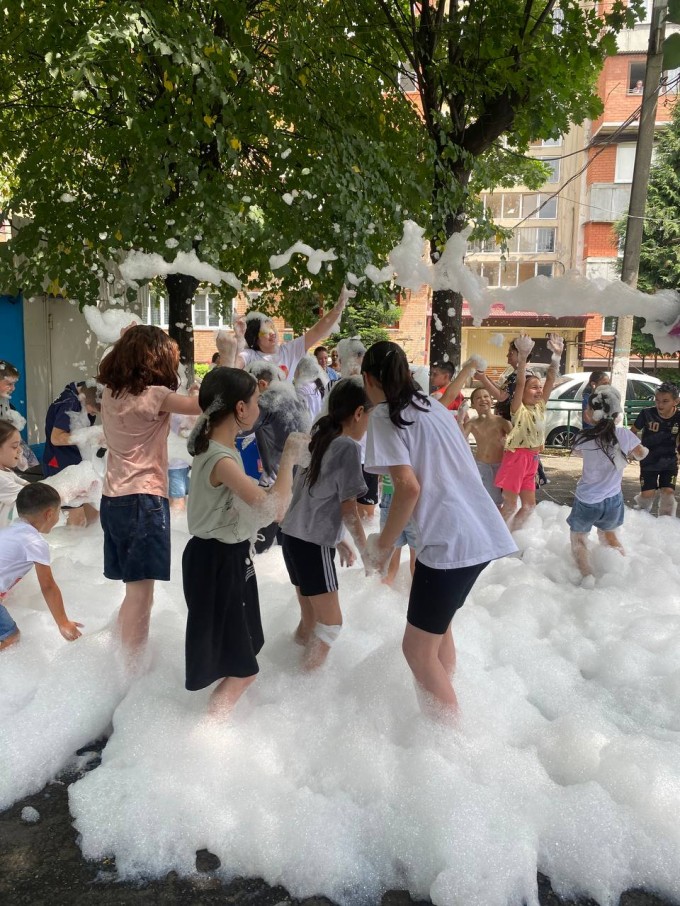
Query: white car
x=563, y=418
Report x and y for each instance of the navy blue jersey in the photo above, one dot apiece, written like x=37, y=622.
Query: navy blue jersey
x=57, y=458
x=660, y=436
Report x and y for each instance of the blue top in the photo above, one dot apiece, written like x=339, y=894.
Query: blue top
x=57, y=458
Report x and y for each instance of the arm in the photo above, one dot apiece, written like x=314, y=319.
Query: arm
x=406, y=494
x=182, y=405
x=638, y=452
x=556, y=346
x=60, y=438
x=350, y=517
x=467, y=369
x=52, y=595
x=325, y=326
x=230, y=345
x=494, y=390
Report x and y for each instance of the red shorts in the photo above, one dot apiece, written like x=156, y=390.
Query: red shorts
x=517, y=471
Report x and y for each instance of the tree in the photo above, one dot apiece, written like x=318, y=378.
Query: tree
x=229, y=128
x=516, y=70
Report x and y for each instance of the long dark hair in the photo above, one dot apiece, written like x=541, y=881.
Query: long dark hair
x=344, y=400
x=387, y=363
x=7, y=429
x=144, y=356
x=221, y=390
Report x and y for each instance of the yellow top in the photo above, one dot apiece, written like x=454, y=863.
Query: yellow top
x=528, y=427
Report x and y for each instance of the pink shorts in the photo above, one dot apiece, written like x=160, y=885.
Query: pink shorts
x=518, y=471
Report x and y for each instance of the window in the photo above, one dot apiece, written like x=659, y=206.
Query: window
x=548, y=142
x=533, y=201
x=529, y=269
x=494, y=205
x=554, y=164
x=670, y=82
x=406, y=78
x=545, y=240
x=492, y=271
x=545, y=269
x=157, y=311
x=511, y=205
x=625, y=161
x=509, y=273
x=206, y=311
x=609, y=325
x=636, y=78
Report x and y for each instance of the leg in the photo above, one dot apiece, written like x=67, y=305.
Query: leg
x=227, y=693
x=421, y=650
x=366, y=511
x=412, y=560
x=327, y=615
x=76, y=517
x=177, y=504
x=528, y=499
x=307, y=618
x=91, y=513
x=134, y=615
x=579, y=549
x=509, y=505
x=667, y=502
x=393, y=567
x=611, y=540
x=447, y=652
x=10, y=640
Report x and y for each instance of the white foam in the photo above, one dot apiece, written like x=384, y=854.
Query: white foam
x=566, y=759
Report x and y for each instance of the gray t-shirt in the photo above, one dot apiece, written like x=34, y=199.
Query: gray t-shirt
x=217, y=512
x=314, y=513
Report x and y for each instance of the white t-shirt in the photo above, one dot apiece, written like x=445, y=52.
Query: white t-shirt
x=10, y=485
x=286, y=356
x=601, y=477
x=21, y=546
x=457, y=523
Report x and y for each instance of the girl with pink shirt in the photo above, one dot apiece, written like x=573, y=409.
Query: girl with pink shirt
x=140, y=379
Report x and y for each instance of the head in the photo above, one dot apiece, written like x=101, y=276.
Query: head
x=226, y=393
x=321, y=354
x=441, y=375
x=334, y=358
x=603, y=411
x=39, y=504
x=597, y=379
x=10, y=445
x=142, y=357
x=533, y=390
x=513, y=355
x=264, y=373
x=348, y=408
x=215, y=360
x=261, y=334
x=351, y=352
x=387, y=378
x=9, y=376
x=481, y=401
x=89, y=397
x=666, y=399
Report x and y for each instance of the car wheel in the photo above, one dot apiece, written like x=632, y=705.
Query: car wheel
x=561, y=437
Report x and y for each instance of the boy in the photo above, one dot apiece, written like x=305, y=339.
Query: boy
x=489, y=431
x=21, y=546
x=658, y=428
x=441, y=377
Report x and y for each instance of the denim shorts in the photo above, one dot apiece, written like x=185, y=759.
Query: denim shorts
x=408, y=536
x=7, y=625
x=606, y=515
x=178, y=482
x=136, y=537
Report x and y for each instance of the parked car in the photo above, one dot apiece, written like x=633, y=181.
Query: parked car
x=563, y=418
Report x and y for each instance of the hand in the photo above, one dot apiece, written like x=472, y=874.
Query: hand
x=297, y=447
x=524, y=344
x=475, y=363
x=346, y=553
x=479, y=375
x=344, y=297
x=70, y=630
x=556, y=344
x=240, y=328
x=376, y=556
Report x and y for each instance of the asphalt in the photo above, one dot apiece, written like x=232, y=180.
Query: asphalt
x=41, y=864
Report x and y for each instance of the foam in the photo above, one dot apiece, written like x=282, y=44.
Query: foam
x=565, y=760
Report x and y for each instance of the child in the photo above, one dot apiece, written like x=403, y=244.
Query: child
x=38, y=506
x=10, y=484
x=489, y=432
x=595, y=380
x=658, y=428
x=517, y=474
x=407, y=537
x=604, y=449
x=224, y=632
x=437, y=488
x=324, y=499
x=139, y=374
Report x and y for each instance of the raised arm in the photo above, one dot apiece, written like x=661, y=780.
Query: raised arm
x=494, y=390
x=523, y=344
x=326, y=325
x=467, y=369
x=556, y=346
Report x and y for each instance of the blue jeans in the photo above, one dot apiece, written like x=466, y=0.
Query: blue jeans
x=606, y=515
x=136, y=537
x=7, y=625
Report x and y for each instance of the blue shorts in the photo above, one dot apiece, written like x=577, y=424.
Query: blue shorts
x=408, y=536
x=606, y=515
x=178, y=482
x=136, y=537
x=7, y=625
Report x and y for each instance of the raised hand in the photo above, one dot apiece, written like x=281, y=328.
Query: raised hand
x=524, y=344
x=556, y=344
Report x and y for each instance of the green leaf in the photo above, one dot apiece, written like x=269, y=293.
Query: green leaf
x=671, y=51
x=673, y=14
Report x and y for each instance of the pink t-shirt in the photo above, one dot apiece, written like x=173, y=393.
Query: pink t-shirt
x=136, y=434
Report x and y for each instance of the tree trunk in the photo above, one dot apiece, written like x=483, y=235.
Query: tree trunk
x=445, y=328
x=181, y=290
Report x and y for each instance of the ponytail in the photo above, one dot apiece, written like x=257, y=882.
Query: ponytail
x=221, y=390
x=387, y=363
x=344, y=400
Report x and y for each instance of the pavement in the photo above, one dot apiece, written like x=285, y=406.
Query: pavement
x=41, y=864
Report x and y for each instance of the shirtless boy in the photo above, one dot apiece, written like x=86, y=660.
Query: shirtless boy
x=489, y=432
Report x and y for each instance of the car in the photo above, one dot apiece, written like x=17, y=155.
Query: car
x=563, y=418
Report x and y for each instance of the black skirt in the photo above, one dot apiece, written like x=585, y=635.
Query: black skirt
x=224, y=630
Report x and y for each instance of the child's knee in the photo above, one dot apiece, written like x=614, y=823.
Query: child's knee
x=10, y=640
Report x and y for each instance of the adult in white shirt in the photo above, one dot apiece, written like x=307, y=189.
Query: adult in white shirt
x=437, y=489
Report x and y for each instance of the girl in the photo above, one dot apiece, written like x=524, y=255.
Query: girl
x=139, y=374
x=438, y=489
x=10, y=484
x=224, y=632
x=517, y=473
x=604, y=449
x=324, y=498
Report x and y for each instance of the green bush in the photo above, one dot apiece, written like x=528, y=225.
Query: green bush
x=201, y=369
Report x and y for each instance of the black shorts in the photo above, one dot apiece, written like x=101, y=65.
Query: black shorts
x=370, y=498
x=436, y=594
x=652, y=481
x=224, y=631
x=136, y=537
x=311, y=567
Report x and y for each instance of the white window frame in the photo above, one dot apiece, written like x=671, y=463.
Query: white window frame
x=556, y=170
x=605, y=331
x=625, y=162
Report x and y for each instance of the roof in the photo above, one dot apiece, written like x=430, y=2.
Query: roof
x=499, y=317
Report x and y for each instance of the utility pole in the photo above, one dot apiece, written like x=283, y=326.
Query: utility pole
x=638, y=189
